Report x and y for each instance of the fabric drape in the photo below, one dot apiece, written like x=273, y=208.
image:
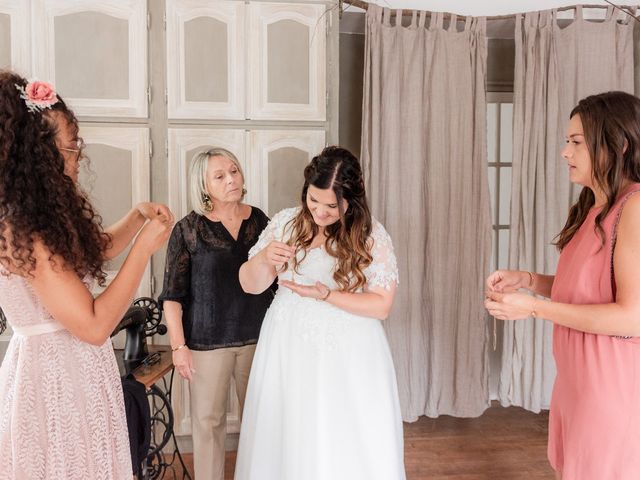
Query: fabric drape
x=555, y=67
x=425, y=160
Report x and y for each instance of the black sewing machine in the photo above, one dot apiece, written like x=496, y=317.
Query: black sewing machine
x=142, y=320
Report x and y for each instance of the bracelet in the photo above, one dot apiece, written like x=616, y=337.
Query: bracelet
x=178, y=348
x=326, y=296
x=534, y=313
x=530, y=279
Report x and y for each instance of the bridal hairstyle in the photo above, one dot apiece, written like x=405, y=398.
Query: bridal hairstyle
x=348, y=238
x=37, y=199
x=611, y=123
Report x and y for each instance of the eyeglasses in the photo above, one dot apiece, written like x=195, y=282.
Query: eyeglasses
x=80, y=146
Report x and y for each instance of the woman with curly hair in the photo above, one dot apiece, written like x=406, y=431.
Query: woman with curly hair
x=594, y=419
x=61, y=406
x=322, y=400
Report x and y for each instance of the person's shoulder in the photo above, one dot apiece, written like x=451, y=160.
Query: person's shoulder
x=257, y=214
x=377, y=227
x=286, y=214
x=379, y=234
x=188, y=222
x=630, y=213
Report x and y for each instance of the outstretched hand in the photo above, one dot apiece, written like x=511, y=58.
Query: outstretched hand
x=319, y=291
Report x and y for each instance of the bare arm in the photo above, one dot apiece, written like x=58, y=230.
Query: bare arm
x=181, y=354
x=620, y=318
x=173, y=315
x=69, y=301
x=124, y=230
x=375, y=302
x=506, y=281
x=623, y=316
x=541, y=284
x=372, y=302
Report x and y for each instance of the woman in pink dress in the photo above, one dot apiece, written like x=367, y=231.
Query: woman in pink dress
x=61, y=407
x=594, y=422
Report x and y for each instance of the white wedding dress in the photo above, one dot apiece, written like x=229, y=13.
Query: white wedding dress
x=322, y=401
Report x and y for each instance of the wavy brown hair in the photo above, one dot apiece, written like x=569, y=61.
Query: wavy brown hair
x=611, y=124
x=347, y=239
x=37, y=200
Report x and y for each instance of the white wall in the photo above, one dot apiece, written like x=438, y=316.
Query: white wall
x=484, y=8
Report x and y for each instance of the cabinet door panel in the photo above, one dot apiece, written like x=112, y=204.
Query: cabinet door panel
x=15, y=43
x=95, y=53
x=277, y=159
x=116, y=178
x=205, y=59
x=287, y=55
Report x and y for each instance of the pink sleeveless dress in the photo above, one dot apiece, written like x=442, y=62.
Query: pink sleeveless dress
x=594, y=422
x=61, y=404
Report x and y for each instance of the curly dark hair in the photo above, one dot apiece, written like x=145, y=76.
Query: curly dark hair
x=37, y=200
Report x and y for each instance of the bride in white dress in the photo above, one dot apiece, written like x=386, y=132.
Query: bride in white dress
x=322, y=401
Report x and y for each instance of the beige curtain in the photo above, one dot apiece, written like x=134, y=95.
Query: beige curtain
x=555, y=67
x=424, y=155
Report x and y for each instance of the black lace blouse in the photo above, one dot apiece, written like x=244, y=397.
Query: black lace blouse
x=201, y=273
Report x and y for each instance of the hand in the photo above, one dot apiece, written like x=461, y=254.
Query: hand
x=507, y=281
x=318, y=291
x=154, y=234
x=183, y=361
x=150, y=210
x=510, y=306
x=277, y=254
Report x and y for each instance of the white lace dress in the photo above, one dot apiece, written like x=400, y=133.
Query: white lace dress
x=61, y=404
x=322, y=401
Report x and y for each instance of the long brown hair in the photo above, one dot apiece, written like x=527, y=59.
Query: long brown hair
x=37, y=200
x=347, y=239
x=611, y=124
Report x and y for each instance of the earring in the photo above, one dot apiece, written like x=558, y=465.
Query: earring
x=244, y=191
x=206, y=203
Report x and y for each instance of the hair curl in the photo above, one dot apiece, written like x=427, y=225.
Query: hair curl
x=611, y=124
x=37, y=200
x=347, y=239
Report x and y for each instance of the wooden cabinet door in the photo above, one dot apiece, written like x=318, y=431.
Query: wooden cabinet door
x=286, y=61
x=206, y=59
x=95, y=53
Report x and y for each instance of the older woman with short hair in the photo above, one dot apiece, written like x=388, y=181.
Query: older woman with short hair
x=213, y=324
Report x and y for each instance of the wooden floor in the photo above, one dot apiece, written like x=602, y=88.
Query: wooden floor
x=503, y=444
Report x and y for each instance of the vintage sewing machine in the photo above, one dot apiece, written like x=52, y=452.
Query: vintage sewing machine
x=142, y=320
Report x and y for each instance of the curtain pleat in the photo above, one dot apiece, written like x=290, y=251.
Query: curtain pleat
x=425, y=161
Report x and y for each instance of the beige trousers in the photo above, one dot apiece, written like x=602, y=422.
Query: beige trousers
x=209, y=393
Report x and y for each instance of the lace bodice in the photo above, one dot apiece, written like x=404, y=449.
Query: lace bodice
x=20, y=303
x=318, y=265
x=61, y=407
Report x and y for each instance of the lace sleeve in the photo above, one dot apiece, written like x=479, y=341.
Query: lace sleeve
x=177, y=272
x=275, y=230
x=383, y=271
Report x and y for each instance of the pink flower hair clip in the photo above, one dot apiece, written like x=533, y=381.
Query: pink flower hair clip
x=37, y=95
